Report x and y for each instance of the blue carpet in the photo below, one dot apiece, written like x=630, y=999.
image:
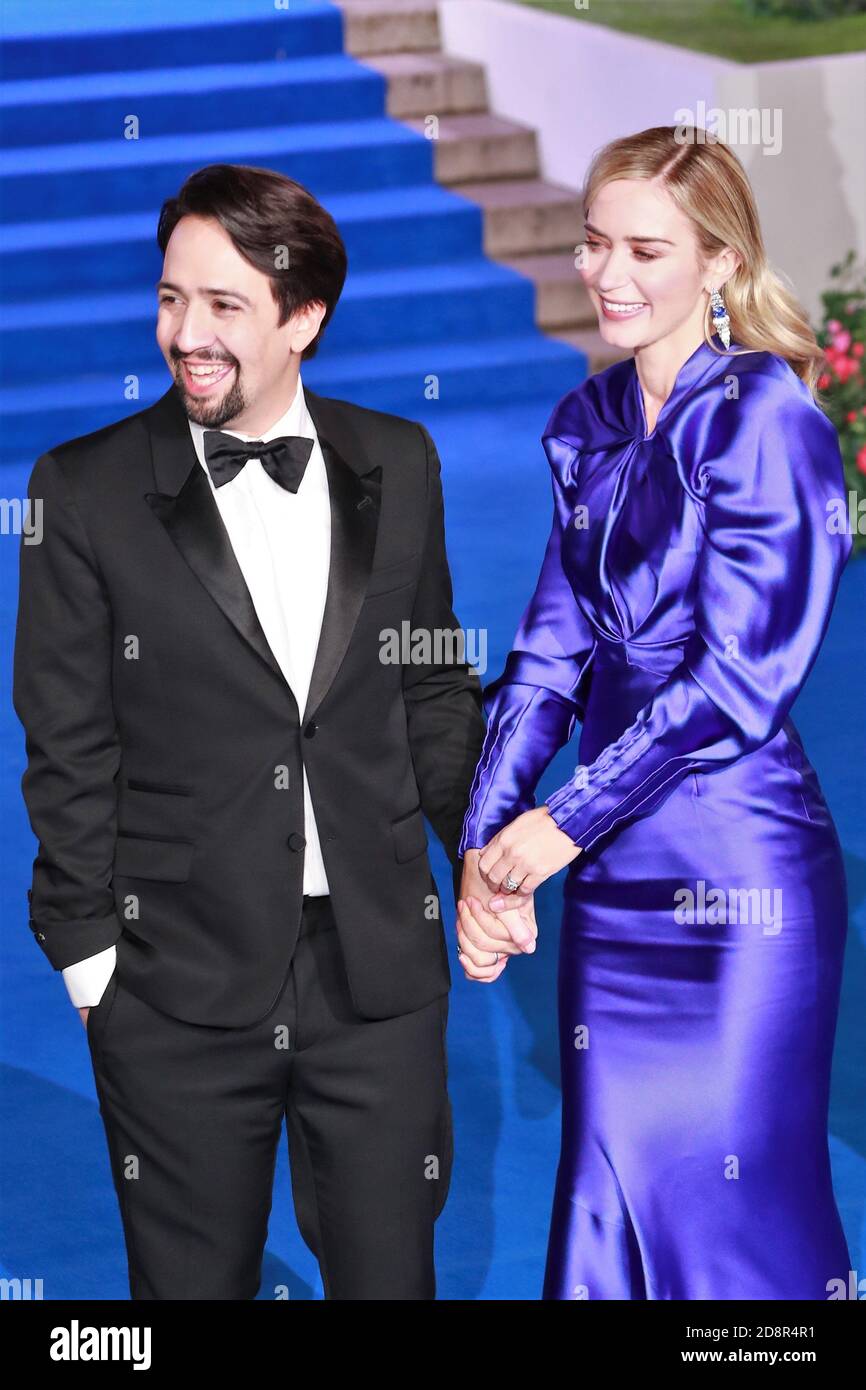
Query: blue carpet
x=415, y=250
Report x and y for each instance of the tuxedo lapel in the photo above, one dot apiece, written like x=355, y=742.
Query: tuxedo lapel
x=355, y=486
x=184, y=504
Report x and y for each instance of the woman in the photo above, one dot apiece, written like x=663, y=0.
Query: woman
x=684, y=594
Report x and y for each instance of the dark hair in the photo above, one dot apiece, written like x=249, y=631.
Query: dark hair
x=263, y=213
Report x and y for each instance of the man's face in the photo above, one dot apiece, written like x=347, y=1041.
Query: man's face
x=217, y=330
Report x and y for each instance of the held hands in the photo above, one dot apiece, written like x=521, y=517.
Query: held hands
x=530, y=850
x=481, y=934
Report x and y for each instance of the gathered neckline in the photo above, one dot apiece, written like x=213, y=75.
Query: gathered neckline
x=691, y=371
x=607, y=410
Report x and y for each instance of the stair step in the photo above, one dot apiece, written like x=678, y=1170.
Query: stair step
x=419, y=84
x=388, y=227
x=421, y=304
x=599, y=354
x=129, y=175
x=210, y=96
x=526, y=216
x=400, y=379
x=389, y=26
x=109, y=36
x=480, y=147
x=561, y=299
x=489, y=369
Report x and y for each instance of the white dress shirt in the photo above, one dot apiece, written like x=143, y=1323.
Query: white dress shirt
x=282, y=541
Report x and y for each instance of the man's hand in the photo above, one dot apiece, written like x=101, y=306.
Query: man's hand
x=530, y=849
x=482, y=933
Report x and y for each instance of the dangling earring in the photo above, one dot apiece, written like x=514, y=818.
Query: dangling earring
x=721, y=322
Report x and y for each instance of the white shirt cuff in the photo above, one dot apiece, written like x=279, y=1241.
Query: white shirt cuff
x=86, y=979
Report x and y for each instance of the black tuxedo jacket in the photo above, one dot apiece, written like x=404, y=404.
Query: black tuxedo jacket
x=165, y=747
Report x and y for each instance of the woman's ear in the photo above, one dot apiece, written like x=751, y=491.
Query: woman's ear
x=723, y=267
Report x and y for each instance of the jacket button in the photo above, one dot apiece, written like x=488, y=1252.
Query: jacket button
x=40, y=936
x=311, y=729
x=296, y=841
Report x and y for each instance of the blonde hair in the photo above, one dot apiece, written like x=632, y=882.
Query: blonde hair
x=709, y=184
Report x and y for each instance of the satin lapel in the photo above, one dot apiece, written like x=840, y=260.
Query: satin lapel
x=185, y=505
x=355, y=487
x=193, y=521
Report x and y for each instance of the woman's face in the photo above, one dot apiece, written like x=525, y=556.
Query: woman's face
x=641, y=265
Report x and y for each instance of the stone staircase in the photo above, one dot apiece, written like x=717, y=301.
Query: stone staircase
x=530, y=225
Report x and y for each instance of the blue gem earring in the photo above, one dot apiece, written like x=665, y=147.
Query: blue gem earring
x=721, y=322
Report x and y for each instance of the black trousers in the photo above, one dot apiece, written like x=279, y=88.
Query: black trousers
x=193, y=1117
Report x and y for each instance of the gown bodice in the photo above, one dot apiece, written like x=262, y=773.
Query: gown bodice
x=684, y=592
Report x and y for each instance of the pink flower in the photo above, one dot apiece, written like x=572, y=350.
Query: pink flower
x=833, y=326
x=861, y=459
x=851, y=417
x=857, y=350
x=842, y=341
x=823, y=381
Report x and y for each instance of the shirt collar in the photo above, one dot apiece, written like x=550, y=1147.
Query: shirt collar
x=296, y=420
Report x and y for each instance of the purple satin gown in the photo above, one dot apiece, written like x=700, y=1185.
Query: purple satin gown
x=684, y=594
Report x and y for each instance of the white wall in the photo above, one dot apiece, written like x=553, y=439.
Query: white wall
x=580, y=84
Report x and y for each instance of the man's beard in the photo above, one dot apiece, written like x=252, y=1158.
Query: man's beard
x=218, y=412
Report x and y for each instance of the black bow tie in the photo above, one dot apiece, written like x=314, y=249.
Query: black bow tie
x=284, y=459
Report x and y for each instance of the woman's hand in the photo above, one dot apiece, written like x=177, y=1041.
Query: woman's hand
x=530, y=849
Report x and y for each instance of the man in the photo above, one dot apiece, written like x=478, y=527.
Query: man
x=228, y=782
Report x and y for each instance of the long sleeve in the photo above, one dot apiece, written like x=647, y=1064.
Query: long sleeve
x=767, y=577
x=62, y=695
x=442, y=698
x=532, y=707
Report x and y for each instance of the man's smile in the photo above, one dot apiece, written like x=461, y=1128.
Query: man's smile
x=201, y=377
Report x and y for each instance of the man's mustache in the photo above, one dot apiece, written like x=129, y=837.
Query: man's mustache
x=177, y=358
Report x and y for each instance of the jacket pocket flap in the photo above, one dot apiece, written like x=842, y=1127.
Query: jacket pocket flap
x=138, y=857
x=410, y=836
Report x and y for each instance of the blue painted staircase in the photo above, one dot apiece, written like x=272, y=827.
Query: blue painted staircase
x=79, y=203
